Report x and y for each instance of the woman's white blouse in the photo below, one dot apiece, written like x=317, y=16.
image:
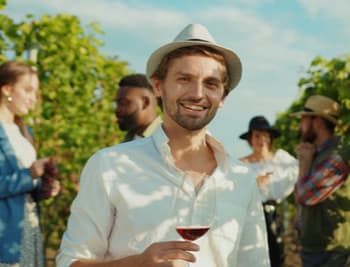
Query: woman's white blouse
x=125, y=199
x=284, y=169
x=23, y=149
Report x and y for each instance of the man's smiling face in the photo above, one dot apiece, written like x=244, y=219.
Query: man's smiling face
x=192, y=91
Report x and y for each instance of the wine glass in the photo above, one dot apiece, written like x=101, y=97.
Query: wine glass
x=194, y=215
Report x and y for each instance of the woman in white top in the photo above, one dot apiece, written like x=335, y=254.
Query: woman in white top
x=24, y=179
x=276, y=175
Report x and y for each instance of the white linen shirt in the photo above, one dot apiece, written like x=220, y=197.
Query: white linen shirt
x=125, y=199
x=284, y=173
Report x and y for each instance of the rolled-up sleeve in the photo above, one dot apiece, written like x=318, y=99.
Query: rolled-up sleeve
x=91, y=219
x=326, y=177
x=17, y=182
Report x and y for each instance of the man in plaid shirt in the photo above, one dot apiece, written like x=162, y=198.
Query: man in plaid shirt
x=322, y=190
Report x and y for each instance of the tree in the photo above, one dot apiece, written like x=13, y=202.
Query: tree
x=324, y=77
x=75, y=116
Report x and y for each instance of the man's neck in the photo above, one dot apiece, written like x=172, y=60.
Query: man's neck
x=322, y=137
x=192, y=154
x=140, y=130
x=184, y=142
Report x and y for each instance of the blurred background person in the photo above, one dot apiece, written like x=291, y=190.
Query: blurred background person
x=136, y=107
x=276, y=175
x=323, y=187
x=24, y=179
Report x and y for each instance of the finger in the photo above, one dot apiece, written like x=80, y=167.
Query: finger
x=182, y=245
x=177, y=254
x=55, y=192
x=43, y=161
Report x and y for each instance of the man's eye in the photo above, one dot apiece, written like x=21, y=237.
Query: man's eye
x=184, y=79
x=213, y=85
x=121, y=103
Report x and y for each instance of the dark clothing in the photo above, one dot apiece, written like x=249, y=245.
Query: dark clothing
x=329, y=170
x=325, y=226
x=274, y=228
x=325, y=259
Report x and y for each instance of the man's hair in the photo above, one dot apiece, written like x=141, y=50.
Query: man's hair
x=162, y=69
x=329, y=125
x=136, y=80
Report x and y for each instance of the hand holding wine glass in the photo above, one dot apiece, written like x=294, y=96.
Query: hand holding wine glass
x=50, y=169
x=50, y=186
x=194, y=216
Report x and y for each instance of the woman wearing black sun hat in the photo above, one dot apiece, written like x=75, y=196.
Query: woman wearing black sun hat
x=276, y=175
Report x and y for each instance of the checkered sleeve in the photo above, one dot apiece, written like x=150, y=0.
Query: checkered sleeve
x=322, y=181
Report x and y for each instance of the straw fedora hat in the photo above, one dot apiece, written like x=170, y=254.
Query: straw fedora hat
x=260, y=123
x=318, y=105
x=193, y=35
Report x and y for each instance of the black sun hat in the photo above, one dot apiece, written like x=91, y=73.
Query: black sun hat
x=260, y=123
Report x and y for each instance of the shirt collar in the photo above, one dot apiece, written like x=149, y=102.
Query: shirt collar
x=327, y=143
x=161, y=141
x=131, y=135
x=151, y=128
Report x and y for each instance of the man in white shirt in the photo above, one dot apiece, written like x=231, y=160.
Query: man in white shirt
x=122, y=215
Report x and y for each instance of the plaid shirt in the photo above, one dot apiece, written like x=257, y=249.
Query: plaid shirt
x=323, y=180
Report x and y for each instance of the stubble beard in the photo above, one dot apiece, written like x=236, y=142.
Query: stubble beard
x=129, y=122
x=308, y=136
x=191, y=123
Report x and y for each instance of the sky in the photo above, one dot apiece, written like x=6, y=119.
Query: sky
x=275, y=40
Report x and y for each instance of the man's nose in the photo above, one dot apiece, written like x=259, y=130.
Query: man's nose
x=197, y=89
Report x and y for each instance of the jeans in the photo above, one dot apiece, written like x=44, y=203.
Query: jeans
x=325, y=259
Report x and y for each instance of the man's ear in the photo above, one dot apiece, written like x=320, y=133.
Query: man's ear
x=221, y=104
x=156, y=87
x=146, y=101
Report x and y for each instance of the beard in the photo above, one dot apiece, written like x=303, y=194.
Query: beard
x=127, y=122
x=308, y=136
x=195, y=123
x=191, y=123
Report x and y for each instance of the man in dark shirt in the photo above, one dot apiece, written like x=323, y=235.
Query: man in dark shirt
x=136, y=107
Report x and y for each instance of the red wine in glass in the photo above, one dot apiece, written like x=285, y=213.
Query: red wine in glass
x=191, y=232
x=193, y=217
x=50, y=169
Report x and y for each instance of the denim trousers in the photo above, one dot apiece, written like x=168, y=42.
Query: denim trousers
x=325, y=259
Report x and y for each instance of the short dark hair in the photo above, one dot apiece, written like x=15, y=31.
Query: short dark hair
x=136, y=80
x=329, y=125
